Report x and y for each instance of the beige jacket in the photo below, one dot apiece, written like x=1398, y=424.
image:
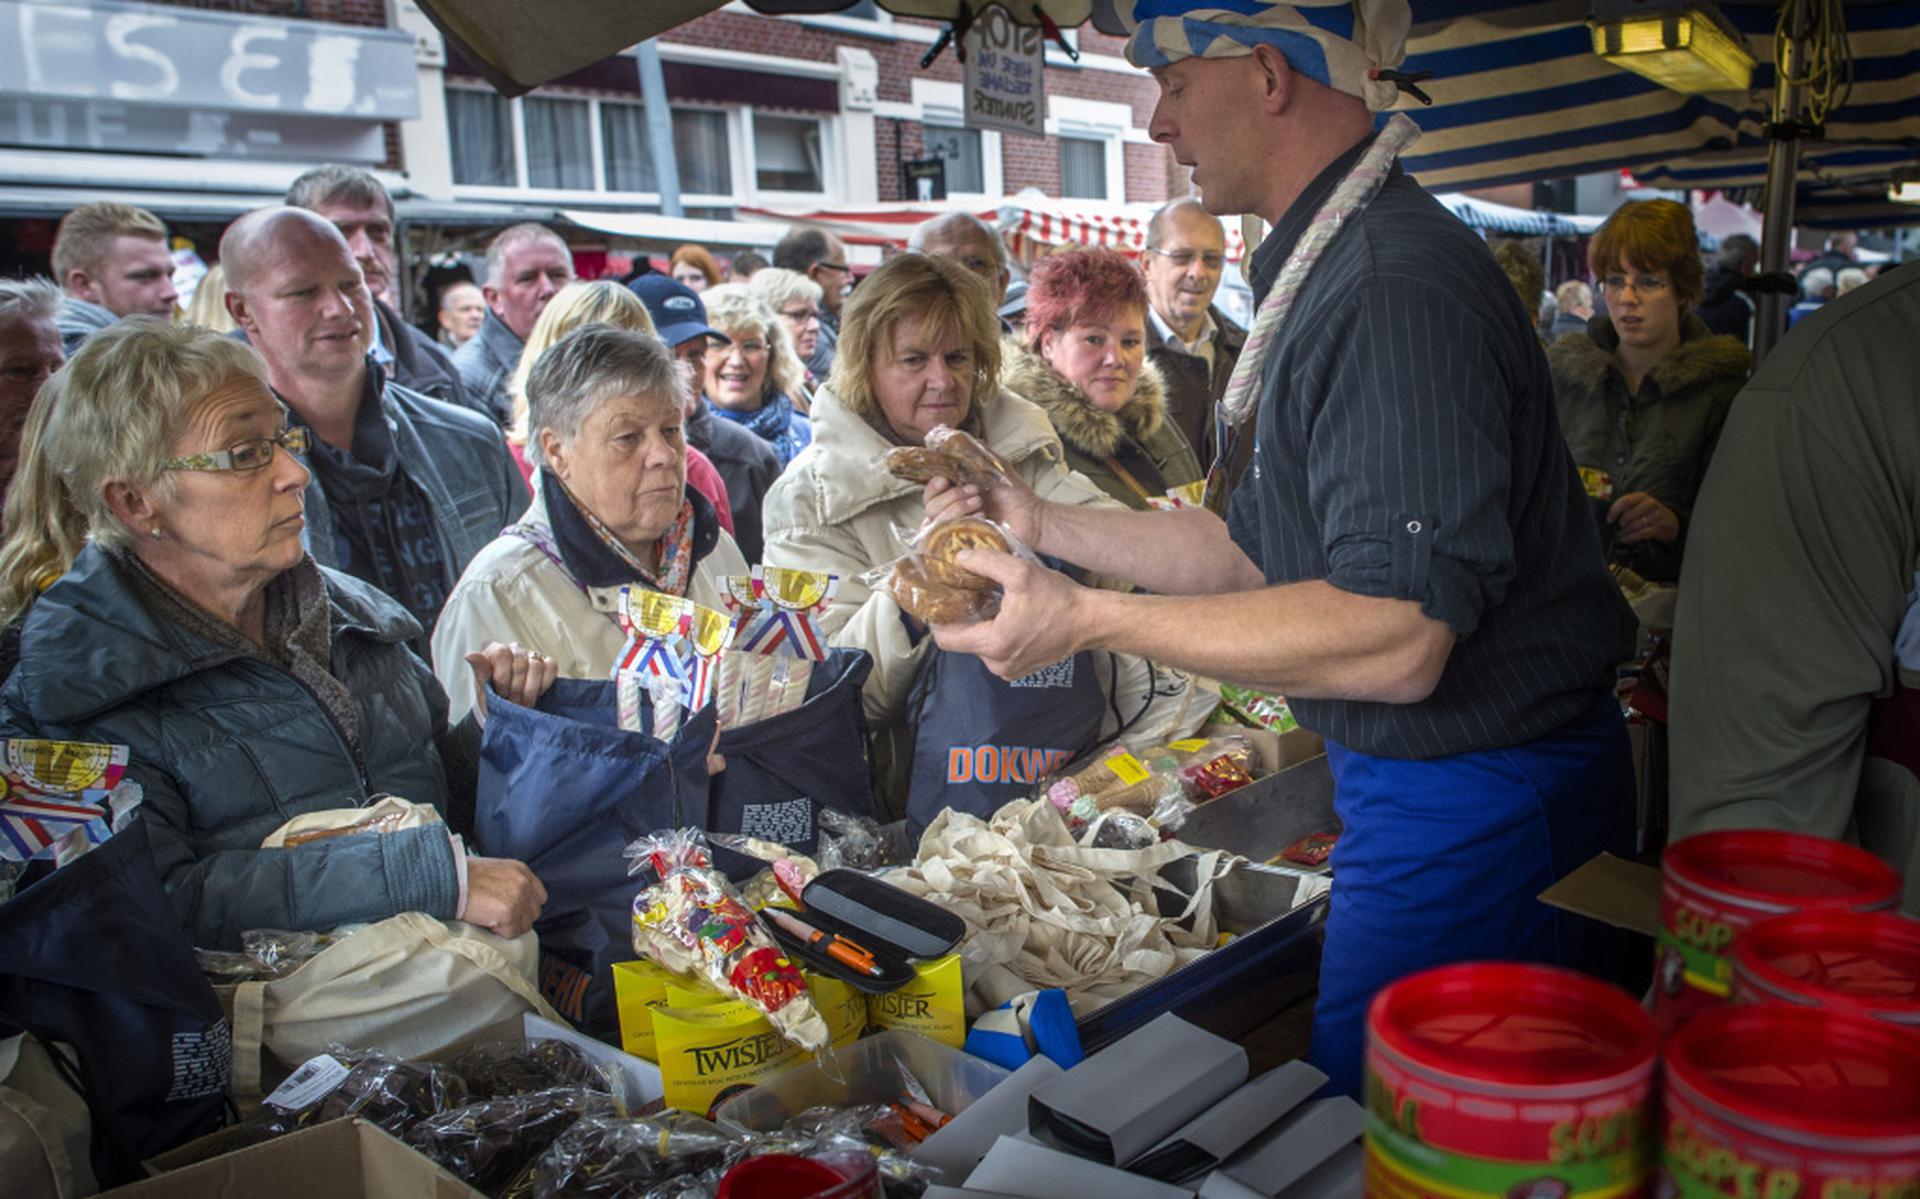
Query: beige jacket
x=512, y=591
x=836, y=510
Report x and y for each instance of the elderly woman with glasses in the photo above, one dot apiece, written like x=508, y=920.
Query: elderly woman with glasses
x=249, y=684
x=795, y=299
x=1643, y=393
x=606, y=427
x=754, y=378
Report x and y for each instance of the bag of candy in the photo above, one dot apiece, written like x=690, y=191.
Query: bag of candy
x=693, y=922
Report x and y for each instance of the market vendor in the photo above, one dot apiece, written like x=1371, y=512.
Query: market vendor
x=249, y=684
x=1409, y=559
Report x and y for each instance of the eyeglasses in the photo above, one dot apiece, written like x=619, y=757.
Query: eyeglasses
x=1184, y=258
x=801, y=316
x=1645, y=285
x=246, y=455
x=834, y=266
x=748, y=349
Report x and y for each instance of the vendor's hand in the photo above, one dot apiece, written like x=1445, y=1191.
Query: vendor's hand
x=1012, y=504
x=715, y=762
x=503, y=896
x=1035, y=626
x=518, y=674
x=1640, y=517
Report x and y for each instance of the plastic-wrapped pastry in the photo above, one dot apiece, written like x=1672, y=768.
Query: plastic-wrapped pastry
x=950, y=454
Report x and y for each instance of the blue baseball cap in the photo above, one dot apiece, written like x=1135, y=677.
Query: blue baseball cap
x=678, y=315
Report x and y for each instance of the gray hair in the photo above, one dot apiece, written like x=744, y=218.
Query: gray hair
x=1817, y=282
x=943, y=225
x=338, y=181
x=777, y=287
x=734, y=306
x=514, y=235
x=27, y=298
x=1157, y=224
x=126, y=394
x=1574, y=294
x=589, y=366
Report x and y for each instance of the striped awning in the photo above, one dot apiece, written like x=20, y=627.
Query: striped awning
x=1519, y=96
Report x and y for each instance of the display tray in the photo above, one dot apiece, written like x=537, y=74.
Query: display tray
x=1277, y=915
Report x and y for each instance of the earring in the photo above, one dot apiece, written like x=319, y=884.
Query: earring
x=154, y=533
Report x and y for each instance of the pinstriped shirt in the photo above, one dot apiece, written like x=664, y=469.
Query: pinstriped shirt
x=1406, y=446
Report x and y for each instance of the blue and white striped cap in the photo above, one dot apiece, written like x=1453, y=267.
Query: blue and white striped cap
x=1341, y=43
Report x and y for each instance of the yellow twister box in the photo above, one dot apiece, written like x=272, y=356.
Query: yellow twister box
x=710, y=1047
x=934, y=1004
x=638, y=988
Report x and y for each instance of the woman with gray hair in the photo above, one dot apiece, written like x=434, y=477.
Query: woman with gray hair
x=250, y=684
x=756, y=379
x=605, y=427
x=795, y=299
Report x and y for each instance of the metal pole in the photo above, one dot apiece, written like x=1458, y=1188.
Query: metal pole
x=653, y=94
x=1783, y=166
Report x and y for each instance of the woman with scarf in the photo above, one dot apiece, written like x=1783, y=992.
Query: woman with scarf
x=249, y=684
x=755, y=379
x=605, y=417
x=1084, y=361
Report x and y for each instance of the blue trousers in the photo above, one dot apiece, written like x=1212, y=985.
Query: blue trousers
x=1441, y=861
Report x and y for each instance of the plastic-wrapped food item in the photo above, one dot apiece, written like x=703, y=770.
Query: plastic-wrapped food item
x=1257, y=709
x=265, y=954
x=521, y=1067
x=848, y=842
x=1120, y=830
x=393, y=1094
x=1151, y=781
x=693, y=922
x=1210, y=778
x=491, y=1143
x=951, y=454
x=928, y=583
x=609, y=1158
x=1311, y=850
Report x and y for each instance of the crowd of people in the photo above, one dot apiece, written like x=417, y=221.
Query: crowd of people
x=284, y=546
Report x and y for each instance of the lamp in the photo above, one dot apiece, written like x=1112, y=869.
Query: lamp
x=1903, y=193
x=1685, y=46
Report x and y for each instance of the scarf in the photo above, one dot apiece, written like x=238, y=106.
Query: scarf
x=772, y=423
x=1350, y=195
x=675, y=545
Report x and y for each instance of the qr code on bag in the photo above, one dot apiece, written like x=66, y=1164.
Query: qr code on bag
x=789, y=822
x=1059, y=675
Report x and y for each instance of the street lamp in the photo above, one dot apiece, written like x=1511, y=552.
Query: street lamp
x=1684, y=46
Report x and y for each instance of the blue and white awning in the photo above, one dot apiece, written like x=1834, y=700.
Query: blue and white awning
x=1519, y=96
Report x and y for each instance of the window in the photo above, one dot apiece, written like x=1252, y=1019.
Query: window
x=482, y=129
x=700, y=143
x=623, y=137
x=1083, y=169
x=786, y=152
x=966, y=169
x=559, y=143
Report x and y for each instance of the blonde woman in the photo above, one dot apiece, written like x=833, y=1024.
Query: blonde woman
x=795, y=299
x=602, y=302
x=752, y=380
x=209, y=307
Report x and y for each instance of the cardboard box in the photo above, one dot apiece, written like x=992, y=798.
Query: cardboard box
x=1613, y=891
x=1272, y=751
x=342, y=1159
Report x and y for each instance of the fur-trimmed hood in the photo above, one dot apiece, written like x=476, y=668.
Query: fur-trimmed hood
x=1582, y=362
x=1082, y=426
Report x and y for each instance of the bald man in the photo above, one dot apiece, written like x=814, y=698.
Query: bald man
x=969, y=241
x=406, y=489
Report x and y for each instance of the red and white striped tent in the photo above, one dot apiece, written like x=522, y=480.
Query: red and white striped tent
x=1032, y=225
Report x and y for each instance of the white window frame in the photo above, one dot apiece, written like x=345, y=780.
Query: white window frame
x=748, y=182
x=944, y=105
x=1096, y=120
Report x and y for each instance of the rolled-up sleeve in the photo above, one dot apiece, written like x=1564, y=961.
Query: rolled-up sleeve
x=1409, y=456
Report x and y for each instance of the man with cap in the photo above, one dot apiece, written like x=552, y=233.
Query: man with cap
x=1409, y=556
x=746, y=463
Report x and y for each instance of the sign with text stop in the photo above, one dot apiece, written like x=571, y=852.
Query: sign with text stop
x=1006, y=84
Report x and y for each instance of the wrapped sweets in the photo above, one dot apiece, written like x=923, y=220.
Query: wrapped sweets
x=693, y=922
x=1187, y=495
x=775, y=641
x=929, y=583
x=668, y=660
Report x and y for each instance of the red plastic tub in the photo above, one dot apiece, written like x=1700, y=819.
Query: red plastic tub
x=1864, y=962
x=1714, y=886
x=1776, y=1100
x=1499, y=1079
x=785, y=1176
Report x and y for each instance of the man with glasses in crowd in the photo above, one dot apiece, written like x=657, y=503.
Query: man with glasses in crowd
x=821, y=257
x=971, y=242
x=1192, y=342
x=405, y=489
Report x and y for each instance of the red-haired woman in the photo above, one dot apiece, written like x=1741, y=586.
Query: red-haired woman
x=1644, y=392
x=1084, y=361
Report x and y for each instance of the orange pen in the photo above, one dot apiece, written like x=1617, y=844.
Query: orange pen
x=837, y=947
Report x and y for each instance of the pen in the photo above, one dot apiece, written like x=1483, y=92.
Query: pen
x=833, y=945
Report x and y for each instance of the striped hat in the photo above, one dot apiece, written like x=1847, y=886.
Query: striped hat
x=1349, y=46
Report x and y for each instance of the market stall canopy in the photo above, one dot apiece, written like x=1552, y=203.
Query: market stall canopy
x=1519, y=95
x=674, y=231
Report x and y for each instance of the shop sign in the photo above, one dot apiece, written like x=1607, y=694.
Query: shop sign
x=137, y=54
x=1006, y=75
